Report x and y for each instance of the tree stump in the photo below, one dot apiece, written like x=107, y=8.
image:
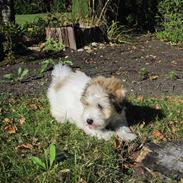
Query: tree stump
x=64, y=35
x=75, y=37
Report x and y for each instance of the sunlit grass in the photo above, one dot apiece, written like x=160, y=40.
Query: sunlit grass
x=79, y=157
x=27, y=18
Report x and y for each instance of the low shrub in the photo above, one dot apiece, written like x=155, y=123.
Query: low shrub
x=12, y=38
x=171, y=21
x=35, y=31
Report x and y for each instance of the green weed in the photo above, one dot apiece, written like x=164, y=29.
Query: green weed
x=172, y=75
x=144, y=73
x=20, y=76
x=50, y=155
x=53, y=45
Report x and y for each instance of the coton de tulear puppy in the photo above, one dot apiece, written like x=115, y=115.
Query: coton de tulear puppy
x=95, y=105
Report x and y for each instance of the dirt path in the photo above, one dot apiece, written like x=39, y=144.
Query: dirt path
x=147, y=67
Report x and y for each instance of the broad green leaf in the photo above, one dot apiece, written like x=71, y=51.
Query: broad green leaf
x=8, y=76
x=38, y=162
x=19, y=71
x=52, y=154
x=68, y=62
x=24, y=73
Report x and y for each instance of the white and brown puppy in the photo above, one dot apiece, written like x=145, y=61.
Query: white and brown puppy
x=94, y=105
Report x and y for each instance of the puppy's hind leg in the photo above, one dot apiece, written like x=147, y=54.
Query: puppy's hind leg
x=125, y=133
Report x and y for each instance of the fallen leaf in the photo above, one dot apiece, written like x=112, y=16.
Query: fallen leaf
x=36, y=106
x=153, y=77
x=22, y=120
x=139, y=98
x=157, y=106
x=142, y=125
x=157, y=134
x=11, y=101
x=24, y=147
x=181, y=180
x=117, y=143
x=7, y=120
x=81, y=181
x=10, y=129
x=143, y=153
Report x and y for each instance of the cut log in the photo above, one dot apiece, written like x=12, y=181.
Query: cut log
x=165, y=158
x=64, y=35
x=75, y=37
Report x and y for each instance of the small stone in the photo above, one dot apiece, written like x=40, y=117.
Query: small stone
x=80, y=50
x=87, y=48
x=94, y=44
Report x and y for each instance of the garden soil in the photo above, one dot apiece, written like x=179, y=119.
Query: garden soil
x=147, y=67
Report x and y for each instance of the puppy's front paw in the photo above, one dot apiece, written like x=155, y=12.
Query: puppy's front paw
x=125, y=134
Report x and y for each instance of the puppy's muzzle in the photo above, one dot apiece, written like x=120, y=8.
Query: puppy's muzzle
x=89, y=121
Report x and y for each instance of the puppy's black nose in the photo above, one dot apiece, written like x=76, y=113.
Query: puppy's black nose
x=89, y=121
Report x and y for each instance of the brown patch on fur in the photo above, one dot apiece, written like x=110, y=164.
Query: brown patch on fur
x=112, y=85
x=60, y=84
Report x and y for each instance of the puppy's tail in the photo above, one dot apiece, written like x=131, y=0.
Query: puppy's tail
x=60, y=72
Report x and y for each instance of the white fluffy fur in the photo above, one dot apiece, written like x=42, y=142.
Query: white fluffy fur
x=65, y=93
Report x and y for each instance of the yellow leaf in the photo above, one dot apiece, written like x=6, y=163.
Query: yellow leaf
x=153, y=77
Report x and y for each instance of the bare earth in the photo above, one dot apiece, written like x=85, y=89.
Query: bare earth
x=124, y=61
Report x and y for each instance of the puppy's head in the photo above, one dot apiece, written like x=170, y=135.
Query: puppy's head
x=102, y=100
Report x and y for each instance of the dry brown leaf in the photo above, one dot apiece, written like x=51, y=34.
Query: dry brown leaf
x=181, y=180
x=24, y=147
x=117, y=143
x=22, y=120
x=10, y=129
x=7, y=120
x=143, y=153
x=11, y=101
x=157, y=134
x=139, y=98
x=157, y=106
x=36, y=106
x=81, y=181
x=142, y=125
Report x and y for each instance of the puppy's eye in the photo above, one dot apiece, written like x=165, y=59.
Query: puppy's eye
x=100, y=106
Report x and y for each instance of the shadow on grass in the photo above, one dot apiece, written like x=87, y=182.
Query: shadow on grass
x=142, y=114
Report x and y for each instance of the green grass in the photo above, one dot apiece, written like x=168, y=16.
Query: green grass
x=79, y=157
x=28, y=18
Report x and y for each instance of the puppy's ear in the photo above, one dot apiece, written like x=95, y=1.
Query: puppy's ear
x=117, y=93
x=118, y=104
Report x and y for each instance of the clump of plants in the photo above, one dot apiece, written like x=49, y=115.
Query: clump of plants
x=172, y=75
x=35, y=31
x=144, y=73
x=171, y=21
x=18, y=77
x=45, y=64
x=116, y=32
x=58, y=20
x=50, y=157
x=53, y=45
x=12, y=39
